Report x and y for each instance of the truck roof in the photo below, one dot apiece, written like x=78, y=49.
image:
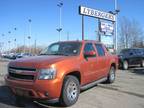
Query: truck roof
x=82, y=41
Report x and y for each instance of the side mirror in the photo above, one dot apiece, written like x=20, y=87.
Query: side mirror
x=89, y=54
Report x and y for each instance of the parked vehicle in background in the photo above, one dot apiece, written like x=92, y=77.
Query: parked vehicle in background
x=12, y=56
x=23, y=55
x=16, y=55
x=3, y=55
x=9, y=56
x=61, y=71
x=131, y=56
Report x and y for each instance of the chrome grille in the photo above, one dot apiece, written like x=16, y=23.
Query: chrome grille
x=22, y=73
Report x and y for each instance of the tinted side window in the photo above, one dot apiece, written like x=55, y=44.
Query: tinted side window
x=88, y=47
x=54, y=48
x=139, y=52
x=100, y=50
x=132, y=52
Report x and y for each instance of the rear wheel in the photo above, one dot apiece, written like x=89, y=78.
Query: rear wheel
x=125, y=65
x=142, y=63
x=111, y=75
x=70, y=91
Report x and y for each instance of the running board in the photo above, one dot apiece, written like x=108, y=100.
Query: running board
x=92, y=84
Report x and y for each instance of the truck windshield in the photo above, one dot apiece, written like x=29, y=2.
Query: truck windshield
x=63, y=48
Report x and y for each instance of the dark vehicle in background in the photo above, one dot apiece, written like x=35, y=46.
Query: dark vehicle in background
x=131, y=56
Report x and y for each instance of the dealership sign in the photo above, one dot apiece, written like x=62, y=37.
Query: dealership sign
x=96, y=13
x=107, y=28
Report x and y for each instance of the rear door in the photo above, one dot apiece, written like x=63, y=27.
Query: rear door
x=102, y=61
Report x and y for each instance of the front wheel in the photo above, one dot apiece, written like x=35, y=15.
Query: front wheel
x=70, y=91
x=111, y=75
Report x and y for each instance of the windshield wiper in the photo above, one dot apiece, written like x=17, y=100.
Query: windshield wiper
x=46, y=54
x=61, y=54
x=43, y=54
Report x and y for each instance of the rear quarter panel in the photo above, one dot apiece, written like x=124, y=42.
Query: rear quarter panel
x=110, y=59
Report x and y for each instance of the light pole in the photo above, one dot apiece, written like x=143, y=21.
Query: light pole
x=59, y=30
x=24, y=45
x=60, y=4
x=35, y=46
x=29, y=44
x=9, y=41
x=29, y=37
x=116, y=26
x=116, y=11
x=15, y=44
x=9, y=46
x=67, y=36
x=97, y=34
x=2, y=42
x=82, y=27
x=29, y=20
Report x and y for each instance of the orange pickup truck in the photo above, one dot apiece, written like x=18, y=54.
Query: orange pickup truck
x=61, y=71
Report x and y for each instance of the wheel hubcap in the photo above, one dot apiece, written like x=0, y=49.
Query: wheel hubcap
x=143, y=63
x=125, y=65
x=112, y=74
x=72, y=91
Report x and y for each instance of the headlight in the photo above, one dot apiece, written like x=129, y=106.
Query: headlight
x=49, y=73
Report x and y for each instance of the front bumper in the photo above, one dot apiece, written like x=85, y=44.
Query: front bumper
x=38, y=89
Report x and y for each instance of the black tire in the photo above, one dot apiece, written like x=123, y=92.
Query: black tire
x=125, y=65
x=111, y=75
x=70, y=91
x=142, y=63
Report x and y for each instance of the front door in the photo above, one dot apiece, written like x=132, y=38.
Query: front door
x=89, y=64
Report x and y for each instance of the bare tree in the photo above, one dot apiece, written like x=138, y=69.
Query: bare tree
x=130, y=34
x=137, y=34
x=34, y=50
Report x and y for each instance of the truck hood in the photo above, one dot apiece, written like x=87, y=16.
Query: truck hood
x=37, y=61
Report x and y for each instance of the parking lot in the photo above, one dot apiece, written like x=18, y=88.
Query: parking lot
x=126, y=92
